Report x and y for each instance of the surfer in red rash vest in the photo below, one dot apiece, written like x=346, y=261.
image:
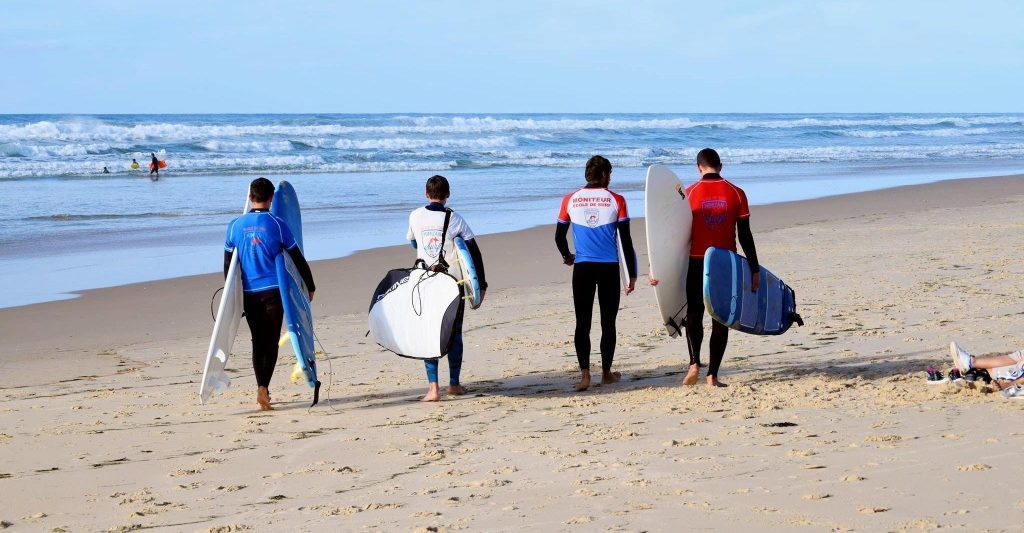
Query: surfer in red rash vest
x=720, y=215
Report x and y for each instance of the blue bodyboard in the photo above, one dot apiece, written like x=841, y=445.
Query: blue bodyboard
x=298, y=314
x=729, y=300
x=471, y=281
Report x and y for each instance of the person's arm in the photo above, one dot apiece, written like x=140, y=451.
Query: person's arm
x=627, y=248
x=478, y=261
x=229, y=249
x=562, y=242
x=304, y=271
x=227, y=261
x=746, y=239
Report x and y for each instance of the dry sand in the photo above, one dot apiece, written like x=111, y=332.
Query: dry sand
x=829, y=427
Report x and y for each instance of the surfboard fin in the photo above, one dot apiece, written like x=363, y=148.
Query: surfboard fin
x=795, y=317
x=316, y=393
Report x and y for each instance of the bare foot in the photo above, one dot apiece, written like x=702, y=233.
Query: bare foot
x=584, y=383
x=433, y=394
x=457, y=390
x=713, y=382
x=610, y=377
x=691, y=375
x=263, y=399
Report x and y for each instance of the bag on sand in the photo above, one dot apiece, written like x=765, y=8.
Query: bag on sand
x=414, y=312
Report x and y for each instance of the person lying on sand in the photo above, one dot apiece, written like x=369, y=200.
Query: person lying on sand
x=1012, y=365
x=597, y=217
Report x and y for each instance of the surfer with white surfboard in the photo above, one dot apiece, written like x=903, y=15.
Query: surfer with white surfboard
x=259, y=237
x=720, y=215
x=432, y=229
x=599, y=220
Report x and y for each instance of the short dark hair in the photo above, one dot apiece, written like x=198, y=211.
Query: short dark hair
x=708, y=158
x=437, y=187
x=261, y=189
x=597, y=167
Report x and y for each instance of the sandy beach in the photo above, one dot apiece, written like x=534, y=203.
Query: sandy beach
x=831, y=426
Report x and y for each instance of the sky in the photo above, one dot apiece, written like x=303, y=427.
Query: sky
x=523, y=56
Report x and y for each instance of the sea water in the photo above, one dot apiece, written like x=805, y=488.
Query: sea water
x=68, y=226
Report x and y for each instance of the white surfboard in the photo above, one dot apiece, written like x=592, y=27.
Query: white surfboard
x=669, y=222
x=623, y=269
x=229, y=317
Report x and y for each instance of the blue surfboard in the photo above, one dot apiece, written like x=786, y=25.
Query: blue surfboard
x=298, y=315
x=729, y=300
x=470, y=280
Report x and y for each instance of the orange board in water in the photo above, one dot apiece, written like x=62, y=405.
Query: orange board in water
x=161, y=164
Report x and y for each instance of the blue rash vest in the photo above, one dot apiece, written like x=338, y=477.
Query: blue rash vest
x=259, y=237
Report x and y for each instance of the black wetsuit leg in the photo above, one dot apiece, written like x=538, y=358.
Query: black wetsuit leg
x=583, y=288
x=604, y=279
x=264, y=313
x=695, y=320
x=608, y=292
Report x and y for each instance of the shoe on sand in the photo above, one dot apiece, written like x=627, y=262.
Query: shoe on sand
x=961, y=359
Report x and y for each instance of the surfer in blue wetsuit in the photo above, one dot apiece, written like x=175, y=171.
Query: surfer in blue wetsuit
x=597, y=217
x=259, y=237
x=425, y=227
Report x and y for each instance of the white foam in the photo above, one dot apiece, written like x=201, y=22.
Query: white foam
x=944, y=132
x=92, y=131
x=246, y=146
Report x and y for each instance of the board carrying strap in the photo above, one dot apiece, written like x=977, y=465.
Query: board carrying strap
x=441, y=265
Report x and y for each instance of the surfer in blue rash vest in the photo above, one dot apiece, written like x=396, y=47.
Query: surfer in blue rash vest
x=260, y=237
x=596, y=215
x=425, y=226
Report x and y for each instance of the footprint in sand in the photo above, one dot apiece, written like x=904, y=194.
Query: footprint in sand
x=977, y=467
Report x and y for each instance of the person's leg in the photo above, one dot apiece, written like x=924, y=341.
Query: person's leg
x=264, y=313
x=717, y=344
x=694, y=316
x=608, y=291
x=997, y=361
x=583, y=288
x=433, y=394
x=455, y=365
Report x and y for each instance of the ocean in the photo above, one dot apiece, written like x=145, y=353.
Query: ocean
x=68, y=226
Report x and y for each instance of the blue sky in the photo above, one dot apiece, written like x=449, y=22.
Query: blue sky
x=208, y=56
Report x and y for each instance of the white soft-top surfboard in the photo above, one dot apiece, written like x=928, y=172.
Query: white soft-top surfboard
x=669, y=222
x=229, y=317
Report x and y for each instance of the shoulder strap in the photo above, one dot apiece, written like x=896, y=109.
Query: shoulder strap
x=444, y=235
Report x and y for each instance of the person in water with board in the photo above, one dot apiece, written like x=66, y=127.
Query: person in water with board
x=720, y=213
x=154, y=167
x=425, y=227
x=259, y=238
x=598, y=217
x=134, y=165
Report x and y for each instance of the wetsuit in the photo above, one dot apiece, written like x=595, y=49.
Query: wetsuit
x=425, y=225
x=720, y=211
x=154, y=166
x=259, y=238
x=597, y=217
